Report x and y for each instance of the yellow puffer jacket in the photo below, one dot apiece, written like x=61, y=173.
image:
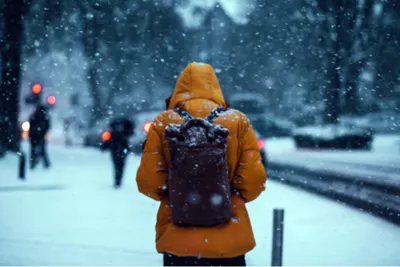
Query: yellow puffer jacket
x=197, y=91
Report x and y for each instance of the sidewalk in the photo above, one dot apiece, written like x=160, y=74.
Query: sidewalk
x=81, y=220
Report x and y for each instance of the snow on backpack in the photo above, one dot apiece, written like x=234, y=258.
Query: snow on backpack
x=198, y=177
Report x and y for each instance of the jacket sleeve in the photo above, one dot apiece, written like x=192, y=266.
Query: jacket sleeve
x=250, y=177
x=152, y=174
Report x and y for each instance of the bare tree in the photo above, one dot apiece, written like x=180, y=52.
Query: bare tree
x=90, y=43
x=94, y=42
x=13, y=11
x=348, y=30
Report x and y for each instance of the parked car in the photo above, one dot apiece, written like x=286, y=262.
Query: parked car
x=377, y=122
x=263, y=151
x=101, y=132
x=96, y=135
x=273, y=126
x=268, y=125
x=143, y=121
x=333, y=137
x=24, y=128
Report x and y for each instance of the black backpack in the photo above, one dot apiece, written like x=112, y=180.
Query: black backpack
x=198, y=178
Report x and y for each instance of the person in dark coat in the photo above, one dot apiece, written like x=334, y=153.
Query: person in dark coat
x=121, y=130
x=39, y=126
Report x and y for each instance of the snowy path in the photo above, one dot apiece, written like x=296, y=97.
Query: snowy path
x=71, y=215
x=385, y=150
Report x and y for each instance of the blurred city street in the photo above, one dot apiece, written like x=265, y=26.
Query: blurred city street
x=213, y=92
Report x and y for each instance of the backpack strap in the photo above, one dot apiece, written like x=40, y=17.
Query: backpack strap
x=215, y=113
x=184, y=114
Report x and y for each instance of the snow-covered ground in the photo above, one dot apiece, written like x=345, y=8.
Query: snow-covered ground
x=382, y=160
x=388, y=144
x=71, y=215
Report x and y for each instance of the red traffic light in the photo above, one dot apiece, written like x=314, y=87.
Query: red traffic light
x=260, y=143
x=51, y=100
x=106, y=136
x=37, y=88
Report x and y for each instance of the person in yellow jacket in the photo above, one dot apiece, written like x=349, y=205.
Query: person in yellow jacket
x=198, y=92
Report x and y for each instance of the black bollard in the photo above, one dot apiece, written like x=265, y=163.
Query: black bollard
x=277, y=238
x=22, y=165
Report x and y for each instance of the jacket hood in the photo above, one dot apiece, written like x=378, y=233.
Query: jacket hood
x=197, y=81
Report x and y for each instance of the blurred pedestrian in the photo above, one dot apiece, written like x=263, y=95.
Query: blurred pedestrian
x=67, y=131
x=39, y=126
x=117, y=141
x=201, y=160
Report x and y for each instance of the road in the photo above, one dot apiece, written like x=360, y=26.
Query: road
x=71, y=215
